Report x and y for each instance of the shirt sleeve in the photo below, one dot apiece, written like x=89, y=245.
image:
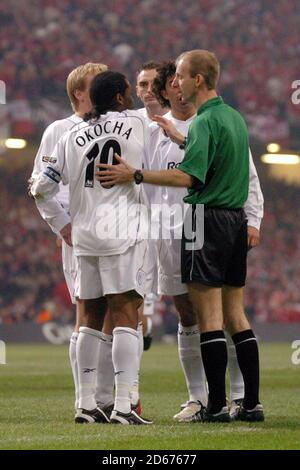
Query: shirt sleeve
x=254, y=206
x=195, y=161
x=46, y=185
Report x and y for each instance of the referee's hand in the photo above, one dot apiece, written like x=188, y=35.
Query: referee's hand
x=253, y=237
x=169, y=129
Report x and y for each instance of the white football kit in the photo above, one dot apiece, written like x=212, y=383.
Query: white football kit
x=55, y=211
x=168, y=155
x=109, y=224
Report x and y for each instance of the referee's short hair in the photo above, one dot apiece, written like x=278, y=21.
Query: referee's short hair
x=205, y=63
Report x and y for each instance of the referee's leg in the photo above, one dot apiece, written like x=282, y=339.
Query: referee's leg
x=245, y=342
x=207, y=303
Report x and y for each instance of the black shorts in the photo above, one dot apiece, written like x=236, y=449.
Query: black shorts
x=223, y=258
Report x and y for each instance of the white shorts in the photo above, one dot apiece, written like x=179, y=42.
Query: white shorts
x=169, y=268
x=152, y=271
x=69, y=262
x=102, y=275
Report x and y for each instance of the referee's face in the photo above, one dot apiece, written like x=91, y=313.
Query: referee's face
x=186, y=83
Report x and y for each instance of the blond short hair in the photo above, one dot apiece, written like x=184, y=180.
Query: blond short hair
x=76, y=79
x=205, y=63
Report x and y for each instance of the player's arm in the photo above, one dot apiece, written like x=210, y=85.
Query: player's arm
x=254, y=206
x=124, y=173
x=46, y=185
x=50, y=210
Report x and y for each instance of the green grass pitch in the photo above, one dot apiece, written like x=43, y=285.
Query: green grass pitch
x=36, y=412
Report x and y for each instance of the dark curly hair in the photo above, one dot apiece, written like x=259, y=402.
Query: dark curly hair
x=166, y=71
x=103, y=92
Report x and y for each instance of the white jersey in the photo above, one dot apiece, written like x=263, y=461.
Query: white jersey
x=53, y=212
x=105, y=221
x=144, y=114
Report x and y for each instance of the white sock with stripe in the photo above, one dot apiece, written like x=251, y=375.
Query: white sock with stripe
x=87, y=353
x=74, y=365
x=125, y=360
x=191, y=362
x=105, y=380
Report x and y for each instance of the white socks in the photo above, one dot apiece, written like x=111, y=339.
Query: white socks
x=134, y=393
x=237, y=388
x=73, y=361
x=191, y=362
x=87, y=353
x=105, y=372
x=125, y=360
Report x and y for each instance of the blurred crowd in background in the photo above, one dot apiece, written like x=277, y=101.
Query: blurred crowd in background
x=256, y=42
x=258, y=46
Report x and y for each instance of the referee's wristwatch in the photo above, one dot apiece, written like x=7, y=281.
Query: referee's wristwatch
x=138, y=176
x=183, y=145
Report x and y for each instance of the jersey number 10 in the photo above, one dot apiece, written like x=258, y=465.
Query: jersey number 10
x=110, y=145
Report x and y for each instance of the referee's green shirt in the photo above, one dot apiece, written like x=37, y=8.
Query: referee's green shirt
x=217, y=154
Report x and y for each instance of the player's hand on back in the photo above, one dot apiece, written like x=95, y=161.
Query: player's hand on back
x=66, y=233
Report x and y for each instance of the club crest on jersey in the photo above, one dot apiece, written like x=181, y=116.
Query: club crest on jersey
x=49, y=159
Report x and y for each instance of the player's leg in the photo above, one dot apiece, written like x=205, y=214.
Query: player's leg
x=134, y=392
x=239, y=327
x=123, y=309
x=69, y=268
x=92, y=313
x=123, y=278
x=190, y=358
x=87, y=350
x=207, y=302
x=237, y=388
x=105, y=369
x=146, y=318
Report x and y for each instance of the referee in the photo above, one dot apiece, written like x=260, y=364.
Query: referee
x=215, y=169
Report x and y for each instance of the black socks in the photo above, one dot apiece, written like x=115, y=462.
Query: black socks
x=248, y=359
x=214, y=357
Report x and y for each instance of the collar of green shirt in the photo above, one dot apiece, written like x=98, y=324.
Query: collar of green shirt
x=209, y=104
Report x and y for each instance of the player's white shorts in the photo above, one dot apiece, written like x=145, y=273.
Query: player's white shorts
x=69, y=262
x=102, y=275
x=152, y=271
x=169, y=268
